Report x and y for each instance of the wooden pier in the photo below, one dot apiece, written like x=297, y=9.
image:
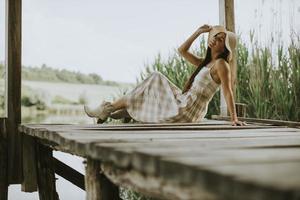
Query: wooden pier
x=204, y=161
x=209, y=160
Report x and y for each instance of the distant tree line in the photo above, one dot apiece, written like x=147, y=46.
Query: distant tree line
x=46, y=73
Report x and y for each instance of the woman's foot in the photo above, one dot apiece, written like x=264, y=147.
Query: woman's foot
x=102, y=112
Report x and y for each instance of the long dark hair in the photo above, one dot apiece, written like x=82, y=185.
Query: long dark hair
x=206, y=60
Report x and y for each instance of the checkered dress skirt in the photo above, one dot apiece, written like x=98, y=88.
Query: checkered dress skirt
x=158, y=100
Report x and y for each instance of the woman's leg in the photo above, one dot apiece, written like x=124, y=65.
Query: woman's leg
x=119, y=104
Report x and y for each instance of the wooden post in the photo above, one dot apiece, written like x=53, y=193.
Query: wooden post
x=226, y=18
x=45, y=173
x=29, y=183
x=13, y=88
x=98, y=187
x=3, y=161
x=241, y=109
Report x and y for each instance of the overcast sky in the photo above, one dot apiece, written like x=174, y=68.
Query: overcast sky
x=115, y=38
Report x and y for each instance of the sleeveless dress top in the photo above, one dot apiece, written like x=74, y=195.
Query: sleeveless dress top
x=158, y=100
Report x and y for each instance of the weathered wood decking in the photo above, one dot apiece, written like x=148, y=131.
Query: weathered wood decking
x=211, y=160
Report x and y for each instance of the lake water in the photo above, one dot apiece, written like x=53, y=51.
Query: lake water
x=94, y=94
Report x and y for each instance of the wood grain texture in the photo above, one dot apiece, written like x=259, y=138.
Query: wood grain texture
x=69, y=173
x=98, y=187
x=45, y=173
x=154, y=186
x=13, y=88
x=197, y=157
x=29, y=183
x=3, y=161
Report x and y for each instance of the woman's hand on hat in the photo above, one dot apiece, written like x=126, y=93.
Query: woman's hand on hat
x=238, y=123
x=212, y=42
x=204, y=28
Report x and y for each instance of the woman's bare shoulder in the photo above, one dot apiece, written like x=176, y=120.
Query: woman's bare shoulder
x=222, y=65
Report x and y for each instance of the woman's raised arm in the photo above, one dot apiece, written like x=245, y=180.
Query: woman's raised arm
x=184, y=48
x=223, y=70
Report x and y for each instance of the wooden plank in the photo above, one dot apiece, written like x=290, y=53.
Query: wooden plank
x=3, y=161
x=153, y=186
x=290, y=124
x=282, y=175
x=119, y=136
x=98, y=187
x=215, y=123
x=229, y=186
x=50, y=131
x=84, y=145
x=45, y=173
x=27, y=129
x=226, y=18
x=206, y=184
x=186, y=128
x=217, y=184
x=69, y=173
x=236, y=156
x=29, y=164
x=78, y=143
x=13, y=88
x=43, y=129
x=202, y=123
x=146, y=157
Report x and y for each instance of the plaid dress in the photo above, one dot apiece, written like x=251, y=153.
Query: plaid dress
x=158, y=100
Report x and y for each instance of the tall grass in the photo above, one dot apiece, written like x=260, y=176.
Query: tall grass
x=268, y=83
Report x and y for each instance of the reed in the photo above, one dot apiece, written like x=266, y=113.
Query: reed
x=270, y=83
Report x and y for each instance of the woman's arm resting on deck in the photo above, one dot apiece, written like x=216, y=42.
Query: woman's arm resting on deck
x=184, y=48
x=223, y=71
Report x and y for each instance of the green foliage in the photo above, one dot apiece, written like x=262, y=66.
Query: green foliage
x=270, y=84
x=46, y=73
x=31, y=98
x=62, y=100
x=132, y=195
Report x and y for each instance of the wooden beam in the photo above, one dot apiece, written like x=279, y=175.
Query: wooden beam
x=3, y=161
x=13, y=88
x=226, y=18
x=98, y=187
x=29, y=183
x=69, y=173
x=45, y=173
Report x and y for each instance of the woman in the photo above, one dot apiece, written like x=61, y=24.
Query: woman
x=157, y=99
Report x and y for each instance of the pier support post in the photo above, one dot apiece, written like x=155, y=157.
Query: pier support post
x=226, y=18
x=98, y=187
x=45, y=173
x=29, y=183
x=3, y=161
x=13, y=89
